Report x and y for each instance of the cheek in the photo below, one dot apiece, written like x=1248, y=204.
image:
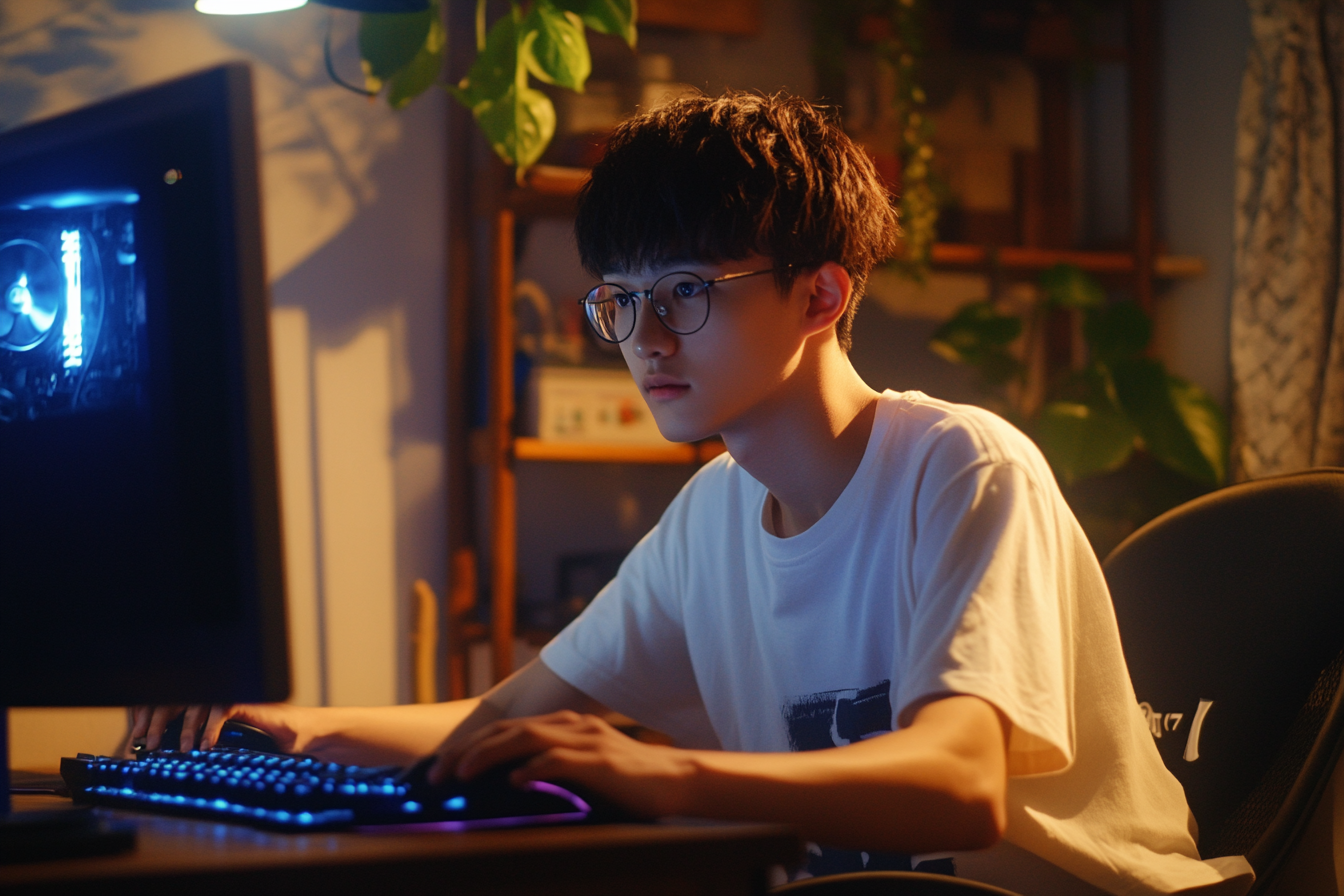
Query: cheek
x=632, y=361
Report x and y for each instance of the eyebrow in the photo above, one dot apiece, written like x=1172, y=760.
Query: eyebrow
x=672, y=266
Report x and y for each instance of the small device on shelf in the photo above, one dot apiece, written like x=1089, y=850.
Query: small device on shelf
x=589, y=404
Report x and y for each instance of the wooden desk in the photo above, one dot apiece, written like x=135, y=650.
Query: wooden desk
x=198, y=857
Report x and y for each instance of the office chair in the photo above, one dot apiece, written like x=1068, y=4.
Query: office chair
x=1231, y=612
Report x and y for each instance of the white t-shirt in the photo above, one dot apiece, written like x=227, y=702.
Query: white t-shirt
x=949, y=564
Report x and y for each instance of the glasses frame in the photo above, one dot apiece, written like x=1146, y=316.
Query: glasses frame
x=647, y=296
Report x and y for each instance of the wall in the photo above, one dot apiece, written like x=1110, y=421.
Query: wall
x=355, y=222
x=1204, y=45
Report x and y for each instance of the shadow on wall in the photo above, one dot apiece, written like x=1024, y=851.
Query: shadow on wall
x=318, y=141
x=354, y=233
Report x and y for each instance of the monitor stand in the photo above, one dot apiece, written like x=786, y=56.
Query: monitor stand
x=44, y=834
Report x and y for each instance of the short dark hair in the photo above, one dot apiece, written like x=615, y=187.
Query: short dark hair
x=719, y=179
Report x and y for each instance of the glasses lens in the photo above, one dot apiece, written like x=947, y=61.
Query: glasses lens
x=681, y=301
x=611, y=312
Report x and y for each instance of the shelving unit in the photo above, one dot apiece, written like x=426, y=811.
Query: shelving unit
x=550, y=191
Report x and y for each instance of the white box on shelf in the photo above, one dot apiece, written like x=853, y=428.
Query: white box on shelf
x=589, y=404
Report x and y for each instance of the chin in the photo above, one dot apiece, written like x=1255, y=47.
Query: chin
x=683, y=431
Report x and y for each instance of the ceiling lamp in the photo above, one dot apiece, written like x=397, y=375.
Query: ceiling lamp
x=245, y=7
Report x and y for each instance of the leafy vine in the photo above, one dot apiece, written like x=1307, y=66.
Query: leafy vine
x=403, y=53
x=894, y=31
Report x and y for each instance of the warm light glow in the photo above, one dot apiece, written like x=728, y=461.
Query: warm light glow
x=245, y=7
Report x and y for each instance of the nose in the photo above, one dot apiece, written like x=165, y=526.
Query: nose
x=651, y=339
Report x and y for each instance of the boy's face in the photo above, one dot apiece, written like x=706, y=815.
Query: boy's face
x=727, y=373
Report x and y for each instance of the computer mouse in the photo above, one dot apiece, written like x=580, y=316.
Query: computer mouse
x=491, y=799
x=236, y=734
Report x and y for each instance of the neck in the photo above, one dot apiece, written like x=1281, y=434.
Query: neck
x=806, y=442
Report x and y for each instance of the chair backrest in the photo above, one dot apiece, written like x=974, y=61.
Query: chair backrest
x=1231, y=611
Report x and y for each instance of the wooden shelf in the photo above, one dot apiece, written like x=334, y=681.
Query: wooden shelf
x=737, y=17
x=1022, y=258
x=555, y=180
x=527, y=448
x=550, y=189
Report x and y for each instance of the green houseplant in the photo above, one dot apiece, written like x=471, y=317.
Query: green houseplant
x=402, y=53
x=1126, y=438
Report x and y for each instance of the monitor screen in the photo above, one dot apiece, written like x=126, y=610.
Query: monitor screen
x=140, y=556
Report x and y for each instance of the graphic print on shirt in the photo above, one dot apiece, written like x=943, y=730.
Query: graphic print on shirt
x=835, y=718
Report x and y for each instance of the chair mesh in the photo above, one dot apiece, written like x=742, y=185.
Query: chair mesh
x=1244, y=827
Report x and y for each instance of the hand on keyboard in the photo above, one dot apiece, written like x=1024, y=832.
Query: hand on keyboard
x=201, y=725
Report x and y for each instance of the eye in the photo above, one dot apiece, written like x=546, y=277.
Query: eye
x=685, y=289
x=623, y=299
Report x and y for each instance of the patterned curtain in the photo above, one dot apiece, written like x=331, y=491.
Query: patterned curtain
x=1287, y=348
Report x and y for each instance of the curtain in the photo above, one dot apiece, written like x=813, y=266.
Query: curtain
x=1287, y=328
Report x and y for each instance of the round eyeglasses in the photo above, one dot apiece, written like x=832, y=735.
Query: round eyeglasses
x=680, y=300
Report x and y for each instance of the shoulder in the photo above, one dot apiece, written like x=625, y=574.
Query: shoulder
x=711, y=497
x=940, y=448
x=942, y=437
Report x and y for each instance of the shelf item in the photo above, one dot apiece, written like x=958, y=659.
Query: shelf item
x=589, y=404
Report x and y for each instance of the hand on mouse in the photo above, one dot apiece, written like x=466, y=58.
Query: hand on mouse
x=646, y=779
x=281, y=721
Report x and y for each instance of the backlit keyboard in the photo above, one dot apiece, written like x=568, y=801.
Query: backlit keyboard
x=302, y=793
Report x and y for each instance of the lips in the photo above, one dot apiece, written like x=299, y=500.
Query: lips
x=661, y=387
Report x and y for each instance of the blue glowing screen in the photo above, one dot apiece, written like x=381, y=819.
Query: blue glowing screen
x=72, y=305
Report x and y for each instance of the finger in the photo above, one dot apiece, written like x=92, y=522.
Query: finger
x=139, y=721
x=159, y=720
x=516, y=740
x=547, y=765
x=214, y=725
x=502, y=745
x=450, y=752
x=191, y=724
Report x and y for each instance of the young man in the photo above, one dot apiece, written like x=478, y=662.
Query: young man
x=889, y=577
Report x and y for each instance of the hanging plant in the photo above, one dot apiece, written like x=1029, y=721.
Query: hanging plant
x=893, y=30
x=402, y=53
x=919, y=198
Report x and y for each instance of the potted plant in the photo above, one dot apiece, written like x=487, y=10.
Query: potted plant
x=1126, y=438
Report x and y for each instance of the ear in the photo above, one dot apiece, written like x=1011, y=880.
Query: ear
x=828, y=293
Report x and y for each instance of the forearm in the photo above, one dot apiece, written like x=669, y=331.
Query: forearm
x=863, y=796
x=939, y=783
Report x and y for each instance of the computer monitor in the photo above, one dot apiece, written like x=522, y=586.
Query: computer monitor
x=140, y=553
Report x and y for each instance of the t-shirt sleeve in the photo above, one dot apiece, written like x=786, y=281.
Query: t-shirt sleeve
x=628, y=648
x=989, y=615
